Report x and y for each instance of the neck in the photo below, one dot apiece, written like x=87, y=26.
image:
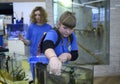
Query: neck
x=39, y=24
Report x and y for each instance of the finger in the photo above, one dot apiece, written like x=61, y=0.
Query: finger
x=54, y=69
x=58, y=72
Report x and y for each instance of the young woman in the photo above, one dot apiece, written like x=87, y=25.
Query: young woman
x=66, y=50
x=36, y=29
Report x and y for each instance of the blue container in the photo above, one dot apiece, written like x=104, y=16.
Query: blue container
x=41, y=59
x=1, y=41
x=33, y=60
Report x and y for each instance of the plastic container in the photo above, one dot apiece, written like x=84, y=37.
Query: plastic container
x=41, y=58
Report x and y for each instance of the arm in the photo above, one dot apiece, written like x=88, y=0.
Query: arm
x=72, y=56
x=54, y=63
x=50, y=53
x=28, y=35
x=74, y=48
x=26, y=42
x=48, y=49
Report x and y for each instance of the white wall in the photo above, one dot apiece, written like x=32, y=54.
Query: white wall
x=26, y=8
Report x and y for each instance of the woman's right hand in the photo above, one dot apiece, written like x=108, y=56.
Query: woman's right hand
x=20, y=36
x=55, y=66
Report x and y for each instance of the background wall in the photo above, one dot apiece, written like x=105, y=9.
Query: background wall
x=25, y=8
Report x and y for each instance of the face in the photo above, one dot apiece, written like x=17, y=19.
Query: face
x=65, y=31
x=37, y=16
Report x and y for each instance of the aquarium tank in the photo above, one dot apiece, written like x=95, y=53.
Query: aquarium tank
x=13, y=30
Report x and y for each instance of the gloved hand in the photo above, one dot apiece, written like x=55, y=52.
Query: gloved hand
x=64, y=57
x=55, y=66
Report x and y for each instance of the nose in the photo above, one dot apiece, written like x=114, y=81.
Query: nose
x=68, y=30
x=37, y=15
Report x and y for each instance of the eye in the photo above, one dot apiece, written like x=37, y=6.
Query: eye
x=37, y=14
x=64, y=27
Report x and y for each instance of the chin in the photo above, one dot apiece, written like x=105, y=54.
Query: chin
x=66, y=35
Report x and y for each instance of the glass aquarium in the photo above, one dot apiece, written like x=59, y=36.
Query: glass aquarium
x=71, y=74
x=92, y=29
x=13, y=30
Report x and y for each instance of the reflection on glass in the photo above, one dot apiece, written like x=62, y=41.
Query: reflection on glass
x=91, y=30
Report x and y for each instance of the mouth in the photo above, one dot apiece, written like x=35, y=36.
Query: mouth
x=66, y=35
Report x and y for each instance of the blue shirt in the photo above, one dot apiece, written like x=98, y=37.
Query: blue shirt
x=64, y=45
x=34, y=34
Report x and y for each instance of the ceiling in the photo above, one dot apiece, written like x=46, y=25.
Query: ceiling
x=94, y=3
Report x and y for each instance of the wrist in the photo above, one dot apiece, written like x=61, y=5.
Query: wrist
x=52, y=57
x=69, y=57
x=22, y=39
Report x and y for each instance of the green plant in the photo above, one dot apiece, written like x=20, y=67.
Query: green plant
x=17, y=74
x=5, y=77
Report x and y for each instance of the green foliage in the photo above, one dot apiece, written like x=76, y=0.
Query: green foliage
x=5, y=77
x=17, y=74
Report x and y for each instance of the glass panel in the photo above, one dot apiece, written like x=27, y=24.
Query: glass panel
x=92, y=28
x=70, y=75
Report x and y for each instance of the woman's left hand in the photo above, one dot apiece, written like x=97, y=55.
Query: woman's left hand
x=64, y=57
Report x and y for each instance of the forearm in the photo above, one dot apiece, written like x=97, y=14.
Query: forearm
x=48, y=49
x=50, y=53
x=26, y=42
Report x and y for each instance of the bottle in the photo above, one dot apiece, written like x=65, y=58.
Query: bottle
x=22, y=19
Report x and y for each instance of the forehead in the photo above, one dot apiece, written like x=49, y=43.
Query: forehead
x=63, y=26
x=37, y=12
